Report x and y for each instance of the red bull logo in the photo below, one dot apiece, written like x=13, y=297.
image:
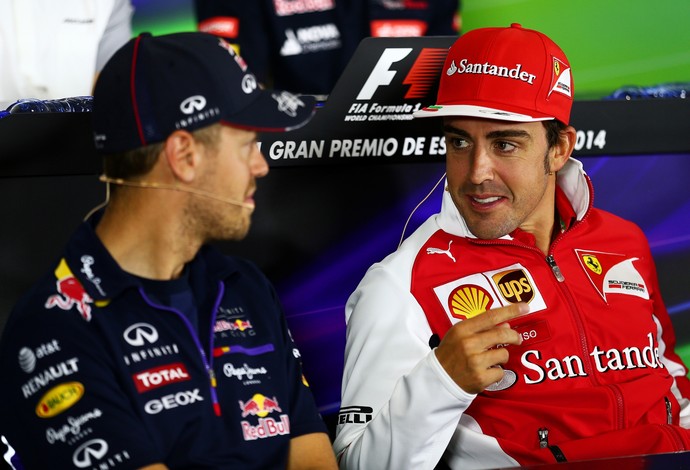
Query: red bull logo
x=259, y=405
x=70, y=292
x=237, y=325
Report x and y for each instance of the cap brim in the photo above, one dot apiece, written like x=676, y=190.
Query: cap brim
x=477, y=111
x=274, y=111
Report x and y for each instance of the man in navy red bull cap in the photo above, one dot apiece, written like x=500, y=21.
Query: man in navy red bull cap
x=519, y=325
x=144, y=347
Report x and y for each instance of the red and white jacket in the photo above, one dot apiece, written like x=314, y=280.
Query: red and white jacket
x=595, y=376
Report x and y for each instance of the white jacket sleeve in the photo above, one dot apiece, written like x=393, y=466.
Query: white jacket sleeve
x=399, y=407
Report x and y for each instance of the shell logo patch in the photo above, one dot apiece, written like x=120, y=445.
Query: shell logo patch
x=472, y=295
x=469, y=301
x=612, y=273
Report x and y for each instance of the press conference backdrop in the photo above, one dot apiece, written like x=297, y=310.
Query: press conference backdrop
x=609, y=43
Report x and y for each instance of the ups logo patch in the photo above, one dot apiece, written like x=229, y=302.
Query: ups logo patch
x=514, y=286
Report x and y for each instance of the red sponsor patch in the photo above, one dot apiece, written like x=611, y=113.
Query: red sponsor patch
x=398, y=28
x=535, y=332
x=225, y=26
x=160, y=376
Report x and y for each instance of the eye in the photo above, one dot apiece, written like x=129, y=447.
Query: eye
x=504, y=146
x=455, y=142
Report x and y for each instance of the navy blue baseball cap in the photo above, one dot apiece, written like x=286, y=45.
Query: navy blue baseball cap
x=155, y=85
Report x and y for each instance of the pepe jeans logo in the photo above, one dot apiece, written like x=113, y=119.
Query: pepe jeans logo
x=193, y=104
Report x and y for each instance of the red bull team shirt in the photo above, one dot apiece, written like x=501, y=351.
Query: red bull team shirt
x=98, y=373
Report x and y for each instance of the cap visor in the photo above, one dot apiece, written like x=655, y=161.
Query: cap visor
x=477, y=111
x=274, y=111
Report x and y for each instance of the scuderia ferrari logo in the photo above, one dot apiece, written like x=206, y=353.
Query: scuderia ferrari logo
x=612, y=273
x=472, y=295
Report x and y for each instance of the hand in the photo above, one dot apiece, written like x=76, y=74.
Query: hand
x=468, y=352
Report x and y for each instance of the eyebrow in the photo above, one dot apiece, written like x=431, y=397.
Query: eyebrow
x=499, y=134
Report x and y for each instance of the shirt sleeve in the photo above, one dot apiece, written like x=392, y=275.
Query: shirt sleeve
x=62, y=404
x=399, y=407
x=304, y=415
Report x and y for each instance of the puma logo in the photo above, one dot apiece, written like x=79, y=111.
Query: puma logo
x=439, y=251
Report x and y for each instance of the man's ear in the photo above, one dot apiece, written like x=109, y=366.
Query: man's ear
x=182, y=153
x=563, y=148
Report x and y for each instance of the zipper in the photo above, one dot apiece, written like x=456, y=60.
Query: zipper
x=669, y=412
x=555, y=269
x=543, y=434
x=207, y=359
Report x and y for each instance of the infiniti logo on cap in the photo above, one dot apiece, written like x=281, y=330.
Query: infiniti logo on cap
x=193, y=104
x=248, y=83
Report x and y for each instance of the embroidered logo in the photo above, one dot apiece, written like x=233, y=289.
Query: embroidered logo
x=514, y=285
x=469, y=301
x=612, y=273
x=439, y=251
x=471, y=295
x=70, y=292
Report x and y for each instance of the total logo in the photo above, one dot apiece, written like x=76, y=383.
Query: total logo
x=472, y=295
x=160, y=376
x=174, y=400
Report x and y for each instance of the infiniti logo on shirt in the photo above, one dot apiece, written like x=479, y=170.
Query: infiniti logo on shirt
x=139, y=334
x=89, y=453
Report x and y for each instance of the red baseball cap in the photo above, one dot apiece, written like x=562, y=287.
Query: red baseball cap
x=510, y=74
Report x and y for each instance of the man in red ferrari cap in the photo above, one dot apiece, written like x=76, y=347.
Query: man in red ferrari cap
x=519, y=325
x=143, y=346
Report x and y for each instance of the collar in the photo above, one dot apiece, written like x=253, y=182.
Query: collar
x=88, y=260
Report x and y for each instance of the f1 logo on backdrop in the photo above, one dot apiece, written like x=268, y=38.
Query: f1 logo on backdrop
x=421, y=77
